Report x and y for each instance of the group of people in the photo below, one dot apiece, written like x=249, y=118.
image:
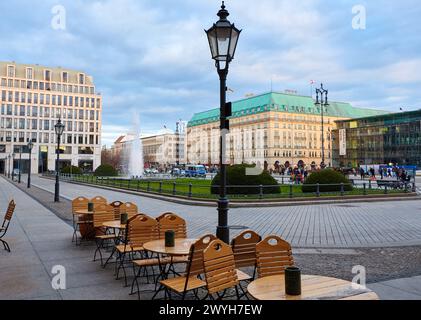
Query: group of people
x=389, y=172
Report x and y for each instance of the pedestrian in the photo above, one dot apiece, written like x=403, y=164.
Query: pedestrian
x=362, y=173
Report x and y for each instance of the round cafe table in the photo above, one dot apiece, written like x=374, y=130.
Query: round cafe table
x=312, y=288
x=86, y=230
x=114, y=225
x=181, y=248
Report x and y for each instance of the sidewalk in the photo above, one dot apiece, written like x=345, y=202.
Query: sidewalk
x=40, y=240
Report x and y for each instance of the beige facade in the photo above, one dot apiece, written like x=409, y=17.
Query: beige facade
x=273, y=127
x=33, y=98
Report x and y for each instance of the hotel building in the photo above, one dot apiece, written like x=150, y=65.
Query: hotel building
x=33, y=98
x=269, y=128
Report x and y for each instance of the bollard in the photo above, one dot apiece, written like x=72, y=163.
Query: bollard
x=138, y=185
x=369, y=184
x=318, y=190
x=365, y=189
x=160, y=187
x=190, y=190
x=290, y=191
x=261, y=192
x=385, y=189
x=149, y=186
x=342, y=189
x=174, y=186
x=128, y=184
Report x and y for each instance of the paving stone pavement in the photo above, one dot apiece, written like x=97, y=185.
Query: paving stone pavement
x=40, y=240
x=357, y=225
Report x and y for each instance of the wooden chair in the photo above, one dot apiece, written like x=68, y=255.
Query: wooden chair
x=98, y=200
x=102, y=213
x=273, y=256
x=220, y=272
x=171, y=221
x=117, y=209
x=190, y=281
x=80, y=203
x=5, y=225
x=139, y=230
x=244, y=248
x=130, y=208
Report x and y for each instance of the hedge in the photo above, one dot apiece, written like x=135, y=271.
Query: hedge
x=105, y=170
x=71, y=170
x=236, y=176
x=329, y=180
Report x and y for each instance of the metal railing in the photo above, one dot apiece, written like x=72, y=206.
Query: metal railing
x=196, y=188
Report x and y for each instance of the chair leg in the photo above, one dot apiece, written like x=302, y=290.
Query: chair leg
x=237, y=293
x=5, y=245
x=99, y=244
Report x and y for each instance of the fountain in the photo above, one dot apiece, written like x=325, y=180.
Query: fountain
x=135, y=152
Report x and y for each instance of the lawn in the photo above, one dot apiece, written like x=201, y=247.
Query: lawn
x=200, y=188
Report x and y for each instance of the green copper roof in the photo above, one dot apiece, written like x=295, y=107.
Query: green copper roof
x=282, y=102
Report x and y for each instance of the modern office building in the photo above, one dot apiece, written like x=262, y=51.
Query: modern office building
x=272, y=127
x=390, y=138
x=33, y=98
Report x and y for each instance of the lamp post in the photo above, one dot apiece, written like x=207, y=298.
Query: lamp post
x=30, y=146
x=20, y=164
x=13, y=166
x=59, y=128
x=8, y=165
x=323, y=102
x=223, y=38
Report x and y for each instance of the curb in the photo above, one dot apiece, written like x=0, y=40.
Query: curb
x=267, y=204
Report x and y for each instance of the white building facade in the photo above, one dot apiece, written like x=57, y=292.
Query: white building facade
x=33, y=98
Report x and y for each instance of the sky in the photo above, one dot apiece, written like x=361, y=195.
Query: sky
x=152, y=57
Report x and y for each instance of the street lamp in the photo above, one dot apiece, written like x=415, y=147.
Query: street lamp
x=20, y=163
x=323, y=102
x=58, y=128
x=13, y=166
x=8, y=165
x=30, y=146
x=223, y=38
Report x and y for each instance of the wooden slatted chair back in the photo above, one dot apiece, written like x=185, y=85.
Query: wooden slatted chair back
x=80, y=203
x=98, y=200
x=273, y=256
x=130, y=208
x=102, y=213
x=219, y=265
x=195, y=265
x=7, y=217
x=117, y=208
x=163, y=215
x=142, y=229
x=171, y=221
x=244, y=248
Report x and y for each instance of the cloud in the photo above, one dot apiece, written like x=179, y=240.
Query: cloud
x=153, y=56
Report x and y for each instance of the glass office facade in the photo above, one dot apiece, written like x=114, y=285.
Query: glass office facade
x=392, y=138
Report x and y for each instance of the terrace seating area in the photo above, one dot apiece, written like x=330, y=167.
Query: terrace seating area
x=156, y=252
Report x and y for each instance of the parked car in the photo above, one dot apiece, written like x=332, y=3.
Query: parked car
x=195, y=171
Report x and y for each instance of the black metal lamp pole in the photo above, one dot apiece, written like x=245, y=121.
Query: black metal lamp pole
x=59, y=128
x=223, y=38
x=8, y=165
x=20, y=164
x=30, y=146
x=13, y=166
x=322, y=93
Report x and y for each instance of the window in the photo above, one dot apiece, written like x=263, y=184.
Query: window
x=22, y=111
x=41, y=85
x=35, y=98
x=65, y=77
x=11, y=71
x=81, y=78
x=34, y=125
x=29, y=73
x=47, y=75
x=85, y=150
x=46, y=124
x=3, y=95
